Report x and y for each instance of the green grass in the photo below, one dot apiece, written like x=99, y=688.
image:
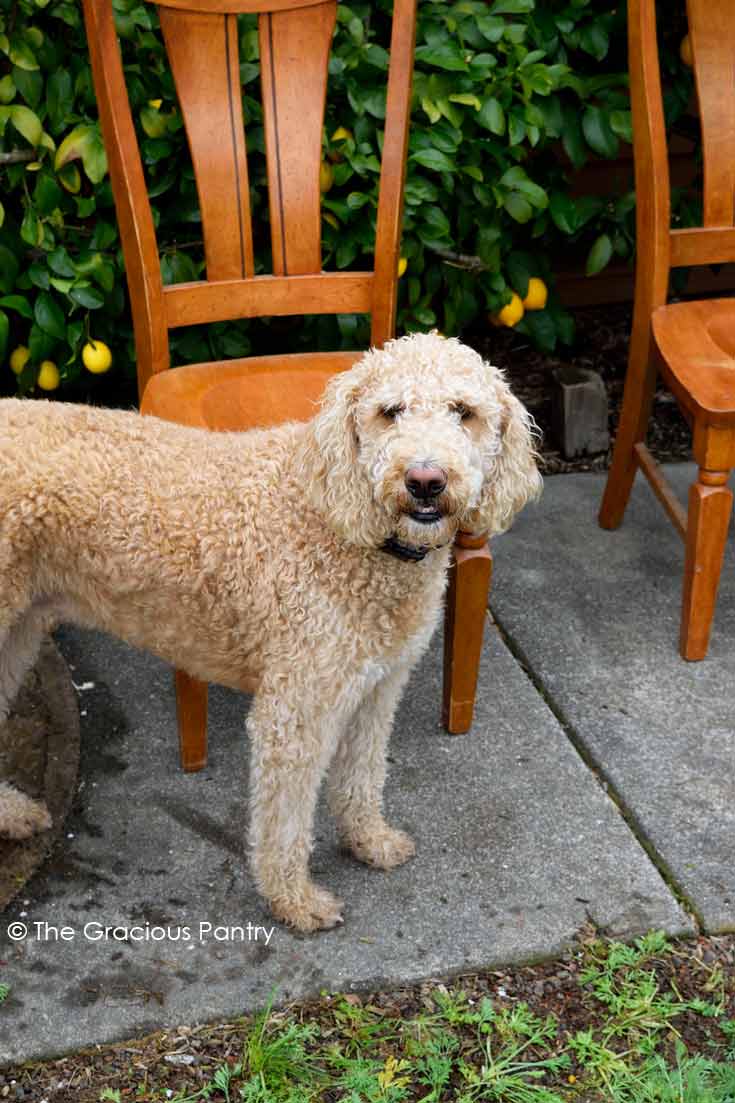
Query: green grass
x=621, y=1032
x=466, y=1051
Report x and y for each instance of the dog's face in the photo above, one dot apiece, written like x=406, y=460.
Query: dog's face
x=419, y=439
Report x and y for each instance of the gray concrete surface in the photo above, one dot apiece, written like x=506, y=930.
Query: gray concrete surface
x=518, y=847
x=596, y=615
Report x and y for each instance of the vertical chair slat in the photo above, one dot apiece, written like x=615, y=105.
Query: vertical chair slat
x=393, y=172
x=294, y=54
x=203, y=53
x=137, y=234
x=712, y=34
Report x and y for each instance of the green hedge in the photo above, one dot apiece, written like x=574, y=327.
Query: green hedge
x=511, y=98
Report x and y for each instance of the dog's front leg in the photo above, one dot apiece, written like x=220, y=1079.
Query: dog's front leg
x=357, y=776
x=290, y=752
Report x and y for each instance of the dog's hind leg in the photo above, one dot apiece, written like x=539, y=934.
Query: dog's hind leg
x=20, y=816
x=357, y=776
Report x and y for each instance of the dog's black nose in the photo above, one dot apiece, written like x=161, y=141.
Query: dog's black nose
x=425, y=481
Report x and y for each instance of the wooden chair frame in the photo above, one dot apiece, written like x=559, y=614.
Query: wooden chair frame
x=678, y=340
x=195, y=32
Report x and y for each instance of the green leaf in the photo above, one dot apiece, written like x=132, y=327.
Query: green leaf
x=27, y=123
x=17, y=302
x=7, y=89
x=540, y=326
x=4, y=332
x=599, y=133
x=516, y=129
x=59, y=97
x=467, y=99
x=46, y=194
x=519, y=272
x=433, y=159
x=84, y=143
x=563, y=212
x=512, y=7
x=49, y=316
x=571, y=136
x=41, y=345
x=517, y=207
x=59, y=262
x=21, y=54
x=492, y=116
x=154, y=123
x=30, y=85
x=8, y=269
x=594, y=39
x=599, y=255
x=448, y=56
x=491, y=27
x=86, y=295
x=622, y=124
x=31, y=229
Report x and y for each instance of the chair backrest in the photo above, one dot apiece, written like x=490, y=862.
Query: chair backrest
x=712, y=38
x=201, y=40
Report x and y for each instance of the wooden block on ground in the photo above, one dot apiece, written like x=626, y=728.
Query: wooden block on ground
x=579, y=411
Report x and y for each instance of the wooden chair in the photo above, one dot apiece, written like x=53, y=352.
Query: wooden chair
x=692, y=344
x=202, y=45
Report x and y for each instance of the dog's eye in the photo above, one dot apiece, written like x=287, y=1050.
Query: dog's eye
x=390, y=413
x=465, y=413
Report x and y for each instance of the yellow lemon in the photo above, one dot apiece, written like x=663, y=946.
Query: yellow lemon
x=402, y=266
x=48, y=376
x=96, y=357
x=19, y=358
x=685, y=51
x=342, y=134
x=326, y=176
x=155, y=103
x=512, y=312
x=536, y=295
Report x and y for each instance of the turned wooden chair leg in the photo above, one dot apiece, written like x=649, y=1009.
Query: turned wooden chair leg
x=640, y=385
x=710, y=504
x=191, y=713
x=464, y=620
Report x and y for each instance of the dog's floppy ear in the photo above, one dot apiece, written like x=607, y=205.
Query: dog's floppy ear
x=337, y=485
x=511, y=476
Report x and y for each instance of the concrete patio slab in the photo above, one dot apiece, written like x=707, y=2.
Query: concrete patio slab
x=518, y=846
x=595, y=614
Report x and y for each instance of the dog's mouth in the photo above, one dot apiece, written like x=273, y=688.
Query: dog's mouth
x=425, y=514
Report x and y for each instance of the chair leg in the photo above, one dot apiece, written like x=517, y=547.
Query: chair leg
x=640, y=385
x=466, y=605
x=710, y=504
x=191, y=713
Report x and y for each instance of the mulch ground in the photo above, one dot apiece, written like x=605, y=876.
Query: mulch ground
x=601, y=345
x=692, y=970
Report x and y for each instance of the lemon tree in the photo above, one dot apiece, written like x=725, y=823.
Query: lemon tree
x=511, y=99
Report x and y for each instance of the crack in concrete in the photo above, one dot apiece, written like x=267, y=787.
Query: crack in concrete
x=600, y=774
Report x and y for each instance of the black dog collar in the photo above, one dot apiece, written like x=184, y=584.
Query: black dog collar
x=393, y=546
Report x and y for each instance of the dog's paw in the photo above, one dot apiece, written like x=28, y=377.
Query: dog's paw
x=383, y=849
x=21, y=817
x=313, y=909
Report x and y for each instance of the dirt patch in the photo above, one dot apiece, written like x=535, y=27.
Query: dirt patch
x=601, y=344
x=39, y=752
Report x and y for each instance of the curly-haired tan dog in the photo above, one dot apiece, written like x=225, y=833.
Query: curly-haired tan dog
x=265, y=554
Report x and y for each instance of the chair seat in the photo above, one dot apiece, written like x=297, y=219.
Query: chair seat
x=697, y=343
x=252, y=393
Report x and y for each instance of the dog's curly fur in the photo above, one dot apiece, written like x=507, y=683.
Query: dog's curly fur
x=241, y=556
